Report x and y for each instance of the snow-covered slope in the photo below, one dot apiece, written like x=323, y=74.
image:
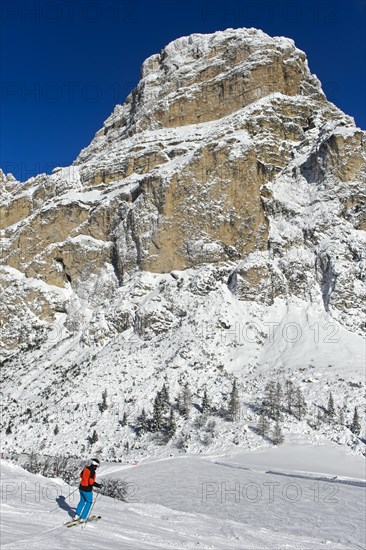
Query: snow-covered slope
x=216, y=502
x=214, y=227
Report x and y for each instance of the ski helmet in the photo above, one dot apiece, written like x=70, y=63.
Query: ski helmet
x=95, y=462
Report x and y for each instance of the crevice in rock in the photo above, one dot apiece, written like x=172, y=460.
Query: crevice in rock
x=116, y=263
x=328, y=278
x=232, y=282
x=64, y=270
x=135, y=193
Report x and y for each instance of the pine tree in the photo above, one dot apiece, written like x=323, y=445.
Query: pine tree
x=278, y=396
x=142, y=424
x=289, y=395
x=319, y=419
x=179, y=402
x=157, y=414
x=355, y=426
x=205, y=406
x=269, y=400
x=330, y=407
x=171, y=426
x=164, y=397
x=32, y=465
x=8, y=429
x=56, y=430
x=341, y=417
x=299, y=404
x=186, y=401
x=94, y=438
x=234, y=405
x=277, y=436
x=124, y=419
x=103, y=405
x=263, y=425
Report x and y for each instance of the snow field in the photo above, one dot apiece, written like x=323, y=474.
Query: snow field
x=190, y=502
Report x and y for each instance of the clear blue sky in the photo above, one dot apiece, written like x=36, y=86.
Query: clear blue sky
x=66, y=63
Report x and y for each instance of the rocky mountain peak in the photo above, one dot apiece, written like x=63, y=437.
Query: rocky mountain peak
x=204, y=77
x=226, y=157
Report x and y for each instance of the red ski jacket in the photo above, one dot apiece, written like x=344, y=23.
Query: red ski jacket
x=88, y=477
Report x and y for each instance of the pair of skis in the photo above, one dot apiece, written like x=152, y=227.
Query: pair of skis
x=74, y=523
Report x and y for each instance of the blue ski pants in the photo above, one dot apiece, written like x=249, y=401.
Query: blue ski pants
x=86, y=499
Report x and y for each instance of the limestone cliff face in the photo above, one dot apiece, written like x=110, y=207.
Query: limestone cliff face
x=196, y=79
x=226, y=154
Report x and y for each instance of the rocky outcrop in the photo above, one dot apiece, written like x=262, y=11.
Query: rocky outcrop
x=201, y=78
x=27, y=309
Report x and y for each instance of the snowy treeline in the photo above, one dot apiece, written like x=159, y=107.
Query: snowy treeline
x=280, y=400
x=278, y=403
x=188, y=416
x=161, y=422
x=69, y=470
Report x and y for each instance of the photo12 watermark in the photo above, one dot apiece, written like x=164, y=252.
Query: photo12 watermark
x=28, y=492
x=268, y=491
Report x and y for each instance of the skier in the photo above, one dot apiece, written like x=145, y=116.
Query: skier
x=88, y=476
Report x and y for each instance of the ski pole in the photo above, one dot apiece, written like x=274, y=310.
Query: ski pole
x=53, y=509
x=90, y=511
